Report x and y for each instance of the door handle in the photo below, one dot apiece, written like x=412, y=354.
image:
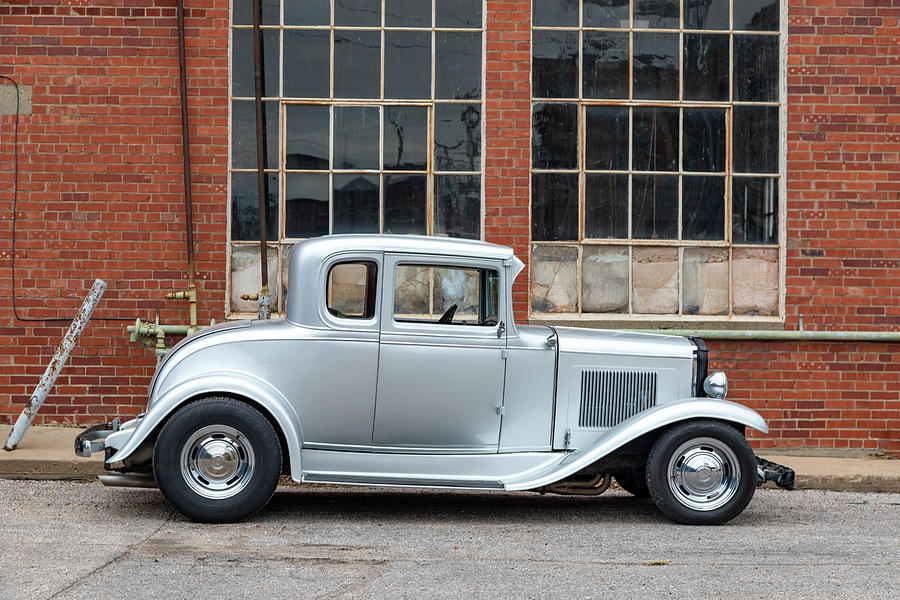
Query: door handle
x=501, y=329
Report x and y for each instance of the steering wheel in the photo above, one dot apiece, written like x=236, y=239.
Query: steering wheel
x=447, y=316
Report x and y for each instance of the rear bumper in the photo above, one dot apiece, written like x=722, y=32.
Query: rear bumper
x=769, y=471
x=106, y=437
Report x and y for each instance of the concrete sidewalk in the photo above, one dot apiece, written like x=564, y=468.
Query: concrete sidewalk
x=48, y=453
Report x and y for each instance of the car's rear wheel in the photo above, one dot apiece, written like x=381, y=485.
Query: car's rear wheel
x=633, y=483
x=217, y=460
x=701, y=473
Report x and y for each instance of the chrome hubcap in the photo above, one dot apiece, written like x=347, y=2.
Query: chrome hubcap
x=704, y=474
x=217, y=462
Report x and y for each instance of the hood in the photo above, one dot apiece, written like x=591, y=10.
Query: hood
x=600, y=341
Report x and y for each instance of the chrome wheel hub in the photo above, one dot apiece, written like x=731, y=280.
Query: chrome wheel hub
x=217, y=462
x=704, y=474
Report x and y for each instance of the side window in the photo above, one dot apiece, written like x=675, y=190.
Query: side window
x=446, y=295
x=350, y=290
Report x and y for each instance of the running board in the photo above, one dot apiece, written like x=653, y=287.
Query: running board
x=367, y=479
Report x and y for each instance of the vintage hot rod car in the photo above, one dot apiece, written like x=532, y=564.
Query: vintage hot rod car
x=399, y=364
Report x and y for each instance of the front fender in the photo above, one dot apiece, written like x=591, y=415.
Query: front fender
x=638, y=425
x=227, y=383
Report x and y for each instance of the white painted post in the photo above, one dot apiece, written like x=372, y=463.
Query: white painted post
x=56, y=364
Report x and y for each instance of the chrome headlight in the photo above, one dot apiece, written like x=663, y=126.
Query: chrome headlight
x=716, y=385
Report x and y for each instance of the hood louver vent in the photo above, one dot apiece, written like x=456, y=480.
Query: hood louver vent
x=610, y=397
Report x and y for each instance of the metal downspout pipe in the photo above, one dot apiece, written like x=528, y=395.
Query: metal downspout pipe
x=263, y=298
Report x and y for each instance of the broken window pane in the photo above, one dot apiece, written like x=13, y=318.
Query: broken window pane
x=245, y=206
x=706, y=14
x=356, y=137
x=246, y=275
x=457, y=137
x=554, y=13
x=703, y=208
x=604, y=279
x=357, y=64
x=355, y=203
x=606, y=138
x=756, y=15
x=405, y=204
x=554, y=279
x=756, y=59
x=407, y=64
x=705, y=281
x=754, y=210
x=306, y=59
x=656, y=14
x=605, y=206
x=554, y=206
x=606, y=13
x=654, y=207
x=706, y=66
x=655, y=280
x=457, y=206
x=554, y=66
x=457, y=65
x=405, y=138
x=655, y=139
x=755, y=281
x=755, y=139
x=305, y=205
x=655, y=66
x=554, y=137
x=605, y=68
x=307, y=137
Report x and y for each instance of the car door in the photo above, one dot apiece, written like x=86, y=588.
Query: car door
x=440, y=373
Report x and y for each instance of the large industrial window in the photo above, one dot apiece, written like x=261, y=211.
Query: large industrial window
x=373, y=124
x=655, y=158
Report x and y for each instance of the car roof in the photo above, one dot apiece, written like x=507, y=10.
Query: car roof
x=417, y=244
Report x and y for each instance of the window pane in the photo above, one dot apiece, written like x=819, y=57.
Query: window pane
x=554, y=206
x=606, y=13
x=307, y=12
x=305, y=205
x=355, y=203
x=754, y=210
x=705, y=66
x=554, y=138
x=242, y=63
x=405, y=138
x=457, y=137
x=457, y=206
x=554, y=279
x=606, y=138
x=656, y=66
x=245, y=206
x=307, y=136
x=605, y=206
x=463, y=288
x=756, y=15
x=756, y=68
x=350, y=290
x=655, y=139
x=755, y=139
x=405, y=204
x=554, y=67
x=457, y=65
x=357, y=13
x=654, y=207
x=605, y=64
x=655, y=280
x=242, y=13
x=243, y=134
x=306, y=60
x=357, y=64
x=412, y=284
x=407, y=13
x=704, y=139
x=356, y=137
x=604, y=279
x=554, y=13
x=706, y=14
x=658, y=14
x=755, y=281
x=703, y=208
x=705, y=281
x=458, y=13
x=407, y=64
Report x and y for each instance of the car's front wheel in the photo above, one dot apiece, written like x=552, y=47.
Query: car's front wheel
x=217, y=460
x=701, y=472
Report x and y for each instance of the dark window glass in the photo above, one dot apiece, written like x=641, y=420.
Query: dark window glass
x=756, y=68
x=656, y=66
x=405, y=138
x=554, y=206
x=306, y=12
x=307, y=137
x=605, y=206
x=243, y=61
x=357, y=13
x=457, y=137
x=306, y=60
x=243, y=135
x=755, y=136
x=305, y=205
x=554, y=13
x=605, y=64
x=350, y=290
x=269, y=9
x=554, y=64
x=657, y=14
x=654, y=207
x=355, y=203
x=357, y=64
x=457, y=206
x=405, y=204
x=655, y=140
x=703, y=208
x=356, y=137
x=704, y=139
x=706, y=14
x=606, y=13
x=756, y=15
x=606, y=138
x=245, y=206
x=457, y=65
x=407, y=64
x=554, y=137
x=407, y=13
x=706, y=66
x=458, y=13
x=754, y=210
